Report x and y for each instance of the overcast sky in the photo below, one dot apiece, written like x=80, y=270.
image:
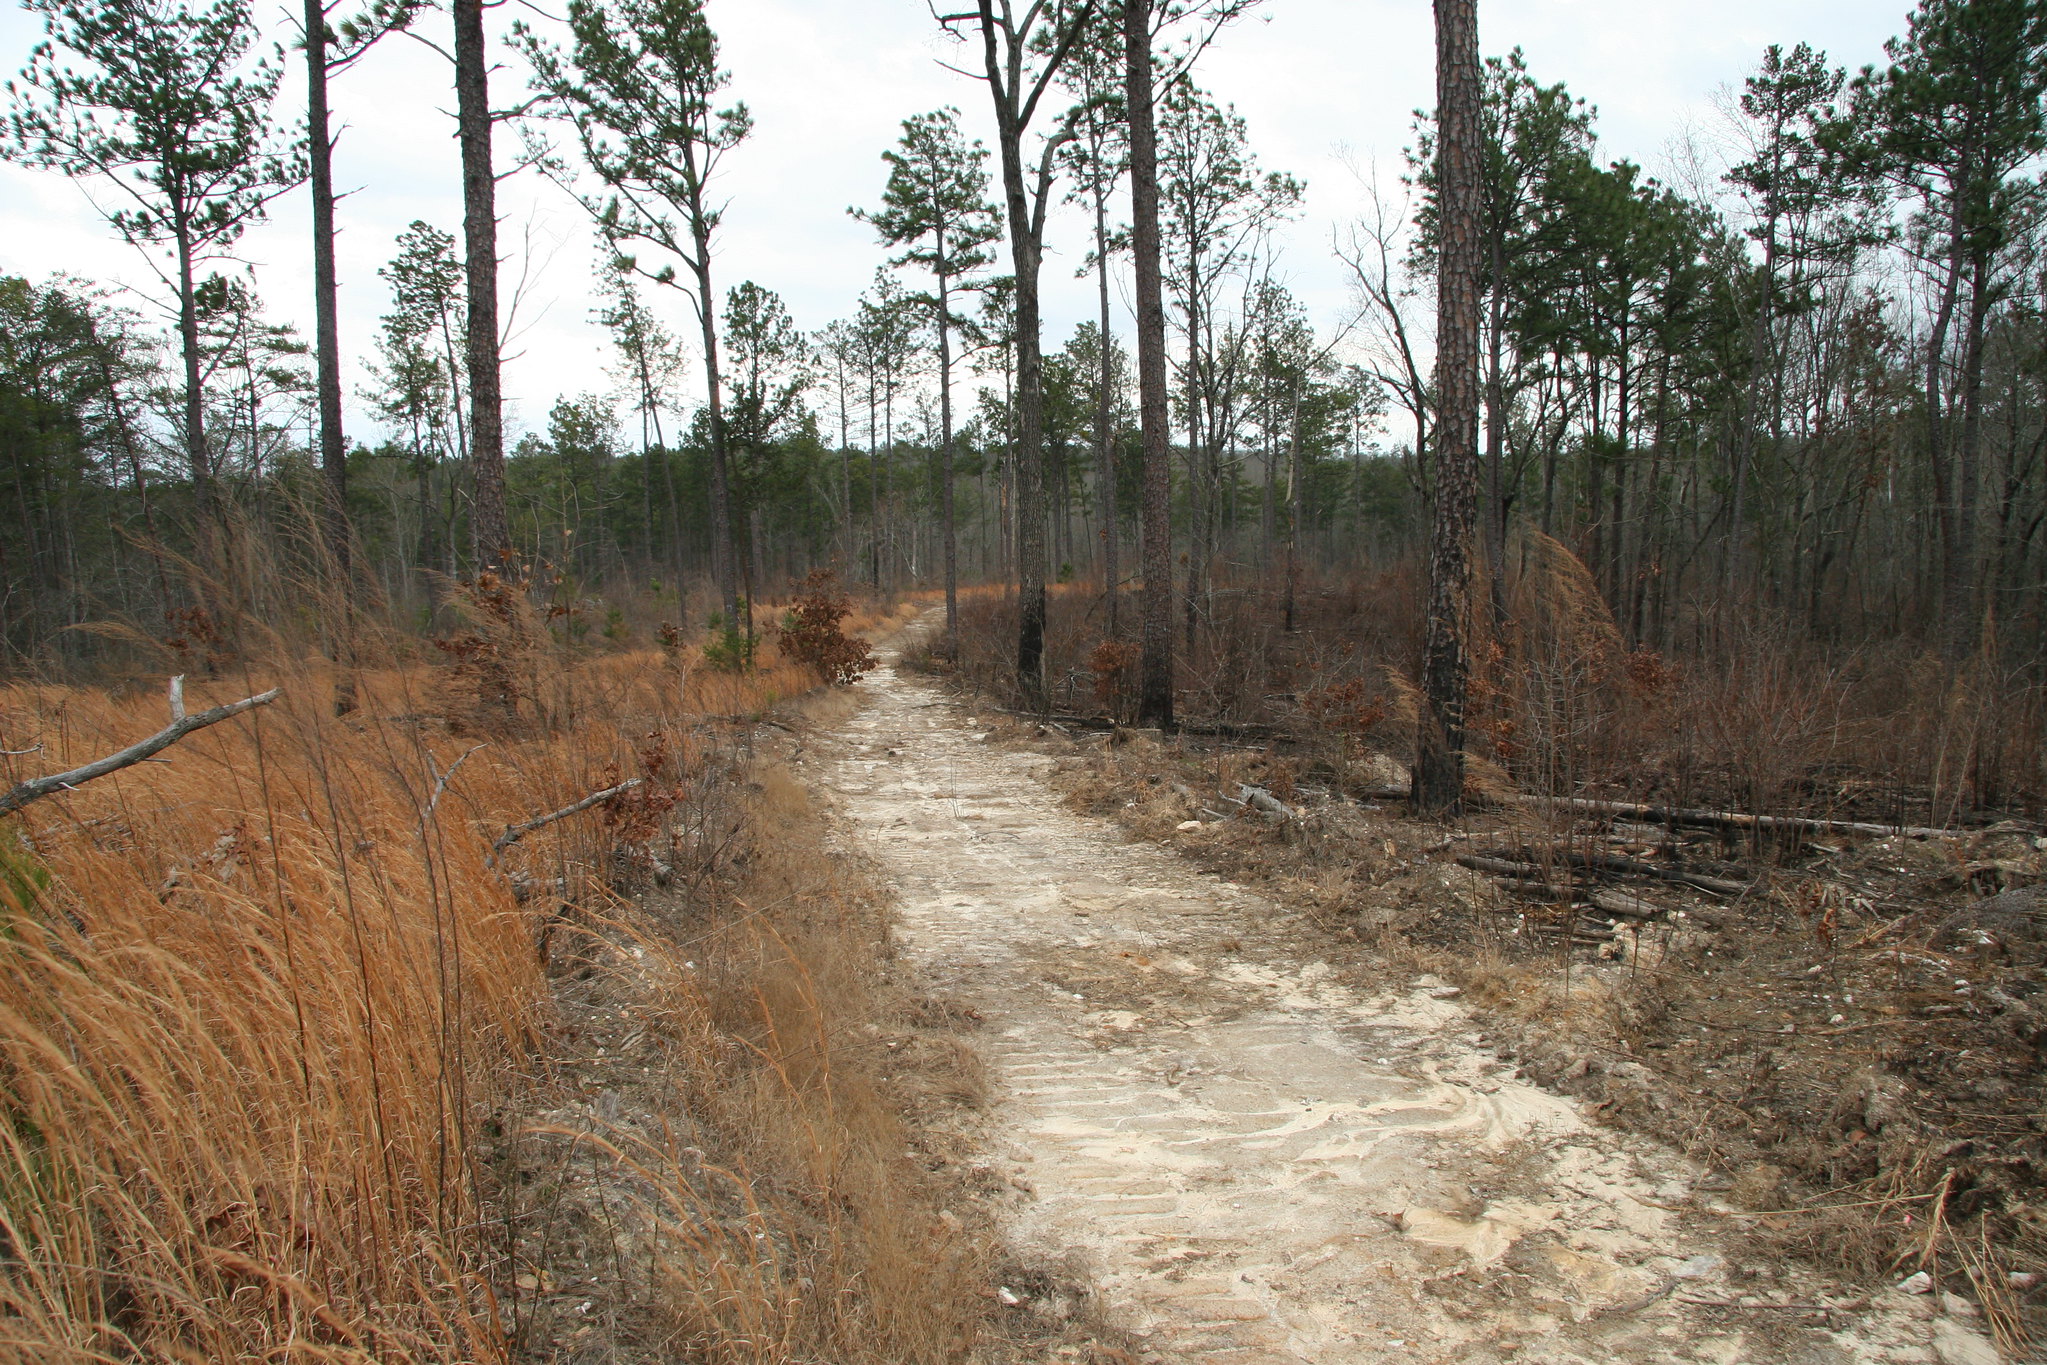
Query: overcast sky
x=1326, y=85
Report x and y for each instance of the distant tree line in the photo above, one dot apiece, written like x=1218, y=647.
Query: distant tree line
x=1803, y=375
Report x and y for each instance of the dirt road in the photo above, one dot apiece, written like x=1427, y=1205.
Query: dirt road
x=1253, y=1159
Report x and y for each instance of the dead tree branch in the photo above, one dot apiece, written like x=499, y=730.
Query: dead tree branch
x=441, y=786
x=1727, y=819
x=514, y=833
x=36, y=788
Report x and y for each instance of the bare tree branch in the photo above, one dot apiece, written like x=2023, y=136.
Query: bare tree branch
x=514, y=833
x=36, y=788
x=441, y=786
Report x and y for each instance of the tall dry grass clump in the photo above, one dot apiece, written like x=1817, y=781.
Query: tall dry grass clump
x=268, y=1002
x=254, y=1003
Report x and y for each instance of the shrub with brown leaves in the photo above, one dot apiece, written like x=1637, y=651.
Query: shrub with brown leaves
x=814, y=635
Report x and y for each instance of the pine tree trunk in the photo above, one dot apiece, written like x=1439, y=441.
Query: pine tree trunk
x=1751, y=417
x=945, y=490
x=1496, y=435
x=1105, y=438
x=196, y=457
x=724, y=561
x=490, y=528
x=326, y=324
x=1946, y=499
x=1439, y=763
x=1155, y=677
x=327, y=341
x=1958, y=575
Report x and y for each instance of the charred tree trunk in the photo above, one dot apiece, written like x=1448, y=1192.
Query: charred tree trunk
x=1105, y=438
x=1439, y=762
x=490, y=528
x=326, y=324
x=334, y=526
x=1155, y=679
x=945, y=470
x=197, y=458
x=724, y=561
x=1007, y=41
x=1496, y=433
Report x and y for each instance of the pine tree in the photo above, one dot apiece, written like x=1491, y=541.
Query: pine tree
x=935, y=205
x=490, y=523
x=1439, y=762
x=166, y=111
x=328, y=53
x=640, y=86
x=1017, y=86
x=1950, y=123
x=1155, y=669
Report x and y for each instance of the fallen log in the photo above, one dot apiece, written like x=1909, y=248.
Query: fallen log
x=1735, y=820
x=1627, y=907
x=1695, y=819
x=1577, y=933
x=1266, y=803
x=36, y=788
x=1501, y=867
x=1542, y=893
x=1633, y=867
x=1523, y=879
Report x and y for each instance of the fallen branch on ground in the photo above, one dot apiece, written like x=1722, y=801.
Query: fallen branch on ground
x=1633, y=867
x=1627, y=907
x=514, y=833
x=1696, y=819
x=1727, y=819
x=36, y=788
x=1501, y=867
x=1265, y=802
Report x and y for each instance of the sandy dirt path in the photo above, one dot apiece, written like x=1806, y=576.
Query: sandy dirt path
x=1252, y=1160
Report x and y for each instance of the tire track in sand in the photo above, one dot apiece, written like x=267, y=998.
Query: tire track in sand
x=1250, y=1160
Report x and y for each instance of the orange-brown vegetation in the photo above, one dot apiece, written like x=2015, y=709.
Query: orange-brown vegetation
x=275, y=1017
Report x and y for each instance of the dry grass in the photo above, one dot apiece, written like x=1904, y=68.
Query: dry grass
x=267, y=1007
x=766, y=1155
x=766, y=1187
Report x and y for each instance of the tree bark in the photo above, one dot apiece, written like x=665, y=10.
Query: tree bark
x=1439, y=763
x=724, y=560
x=1944, y=492
x=1155, y=676
x=326, y=324
x=198, y=461
x=945, y=490
x=1024, y=255
x=1959, y=613
x=490, y=528
x=334, y=525
x=1496, y=430
x=1105, y=440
